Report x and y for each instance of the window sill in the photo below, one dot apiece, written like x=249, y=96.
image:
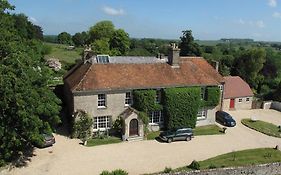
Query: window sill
x=201, y=118
x=102, y=107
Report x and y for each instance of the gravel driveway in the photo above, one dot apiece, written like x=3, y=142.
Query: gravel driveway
x=68, y=157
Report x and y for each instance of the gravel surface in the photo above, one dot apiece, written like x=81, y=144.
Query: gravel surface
x=68, y=157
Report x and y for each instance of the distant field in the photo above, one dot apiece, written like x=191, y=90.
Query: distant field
x=61, y=52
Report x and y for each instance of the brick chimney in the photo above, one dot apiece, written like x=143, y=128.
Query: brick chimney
x=174, y=56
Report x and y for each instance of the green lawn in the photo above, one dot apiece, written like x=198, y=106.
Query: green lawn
x=239, y=158
x=263, y=127
x=104, y=141
x=201, y=130
x=61, y=52
x=207, y=130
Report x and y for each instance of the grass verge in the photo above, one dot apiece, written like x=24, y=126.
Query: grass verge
x=263, y=127
x=239, y=158
x=103, y=141
x=207, y=130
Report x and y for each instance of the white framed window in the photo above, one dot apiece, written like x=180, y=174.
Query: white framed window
x=240, y=100
x=247, y=99
x=101, y=100
x=202, y=94
x=156, y=117
x=220, y=87
x=158, y=96
x=102, y=122
x=202, y=114
x=128, y=99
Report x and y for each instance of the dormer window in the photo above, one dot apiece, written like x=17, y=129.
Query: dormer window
x=103, y=59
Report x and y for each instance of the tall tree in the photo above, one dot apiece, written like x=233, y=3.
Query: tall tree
x=120, y=41
x=101, y=30
x=188, y=46
x=27, y=106
x=249, y=65
x=64, y=38
x=80, y=39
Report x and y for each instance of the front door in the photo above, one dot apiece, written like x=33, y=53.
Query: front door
x=232, y=102
x=134, y=127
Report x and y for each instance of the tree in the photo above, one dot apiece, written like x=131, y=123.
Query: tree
x=101, y=46
x=188, y=46
x=80, y=39
x=64, y=38
x=101, y=30
x=28, y=107
x=120, y=41
x=249, y=64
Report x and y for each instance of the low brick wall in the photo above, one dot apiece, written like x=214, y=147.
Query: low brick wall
x=265, y=169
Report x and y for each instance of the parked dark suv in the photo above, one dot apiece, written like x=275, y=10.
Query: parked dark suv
x=177, y=134
x=48, y=140
x=225, y=119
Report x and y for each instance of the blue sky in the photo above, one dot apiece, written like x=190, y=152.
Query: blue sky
x=208, y=19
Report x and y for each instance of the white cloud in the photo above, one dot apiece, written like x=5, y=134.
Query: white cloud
x=272, y=3
x=32, y=19
x=260, y=24
x=276, y=15
x=112, y=11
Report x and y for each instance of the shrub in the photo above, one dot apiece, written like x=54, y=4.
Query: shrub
x=181, y=106
x=82, y=125
x=119, y=172
x=114, y=172
x=105, y=172
x=194, y=165
x=212, y=166
x=118, y=124
x=167, y=170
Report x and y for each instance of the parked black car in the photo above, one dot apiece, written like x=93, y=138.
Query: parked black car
x=177, y=134
x=225, y=119
x=49, y=140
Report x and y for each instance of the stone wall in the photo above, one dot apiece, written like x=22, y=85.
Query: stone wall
x=238, y=105
x=272, y=105
x=265, y=169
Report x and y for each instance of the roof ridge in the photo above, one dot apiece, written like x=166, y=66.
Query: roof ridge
x=82, y=79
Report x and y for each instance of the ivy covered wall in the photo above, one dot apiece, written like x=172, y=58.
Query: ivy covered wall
x=181, y=106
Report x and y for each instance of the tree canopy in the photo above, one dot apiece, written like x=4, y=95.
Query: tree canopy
x=105, y=39
x=65, y=38
x=28, y=107
x=188, y=46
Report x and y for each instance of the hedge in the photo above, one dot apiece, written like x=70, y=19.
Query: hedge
x=144, y=100
x=181, y=106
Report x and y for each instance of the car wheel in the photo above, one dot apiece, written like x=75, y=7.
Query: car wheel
x=188, y=138
x=169, y=140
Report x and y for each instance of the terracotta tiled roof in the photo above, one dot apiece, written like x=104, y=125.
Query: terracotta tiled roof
x=192, y=72
x=236, y=87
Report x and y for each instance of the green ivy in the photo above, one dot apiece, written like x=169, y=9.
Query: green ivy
x=181, y=106
x=212, y=96
x=144, y=100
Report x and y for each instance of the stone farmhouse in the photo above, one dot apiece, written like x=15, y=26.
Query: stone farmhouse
x=103, y=86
